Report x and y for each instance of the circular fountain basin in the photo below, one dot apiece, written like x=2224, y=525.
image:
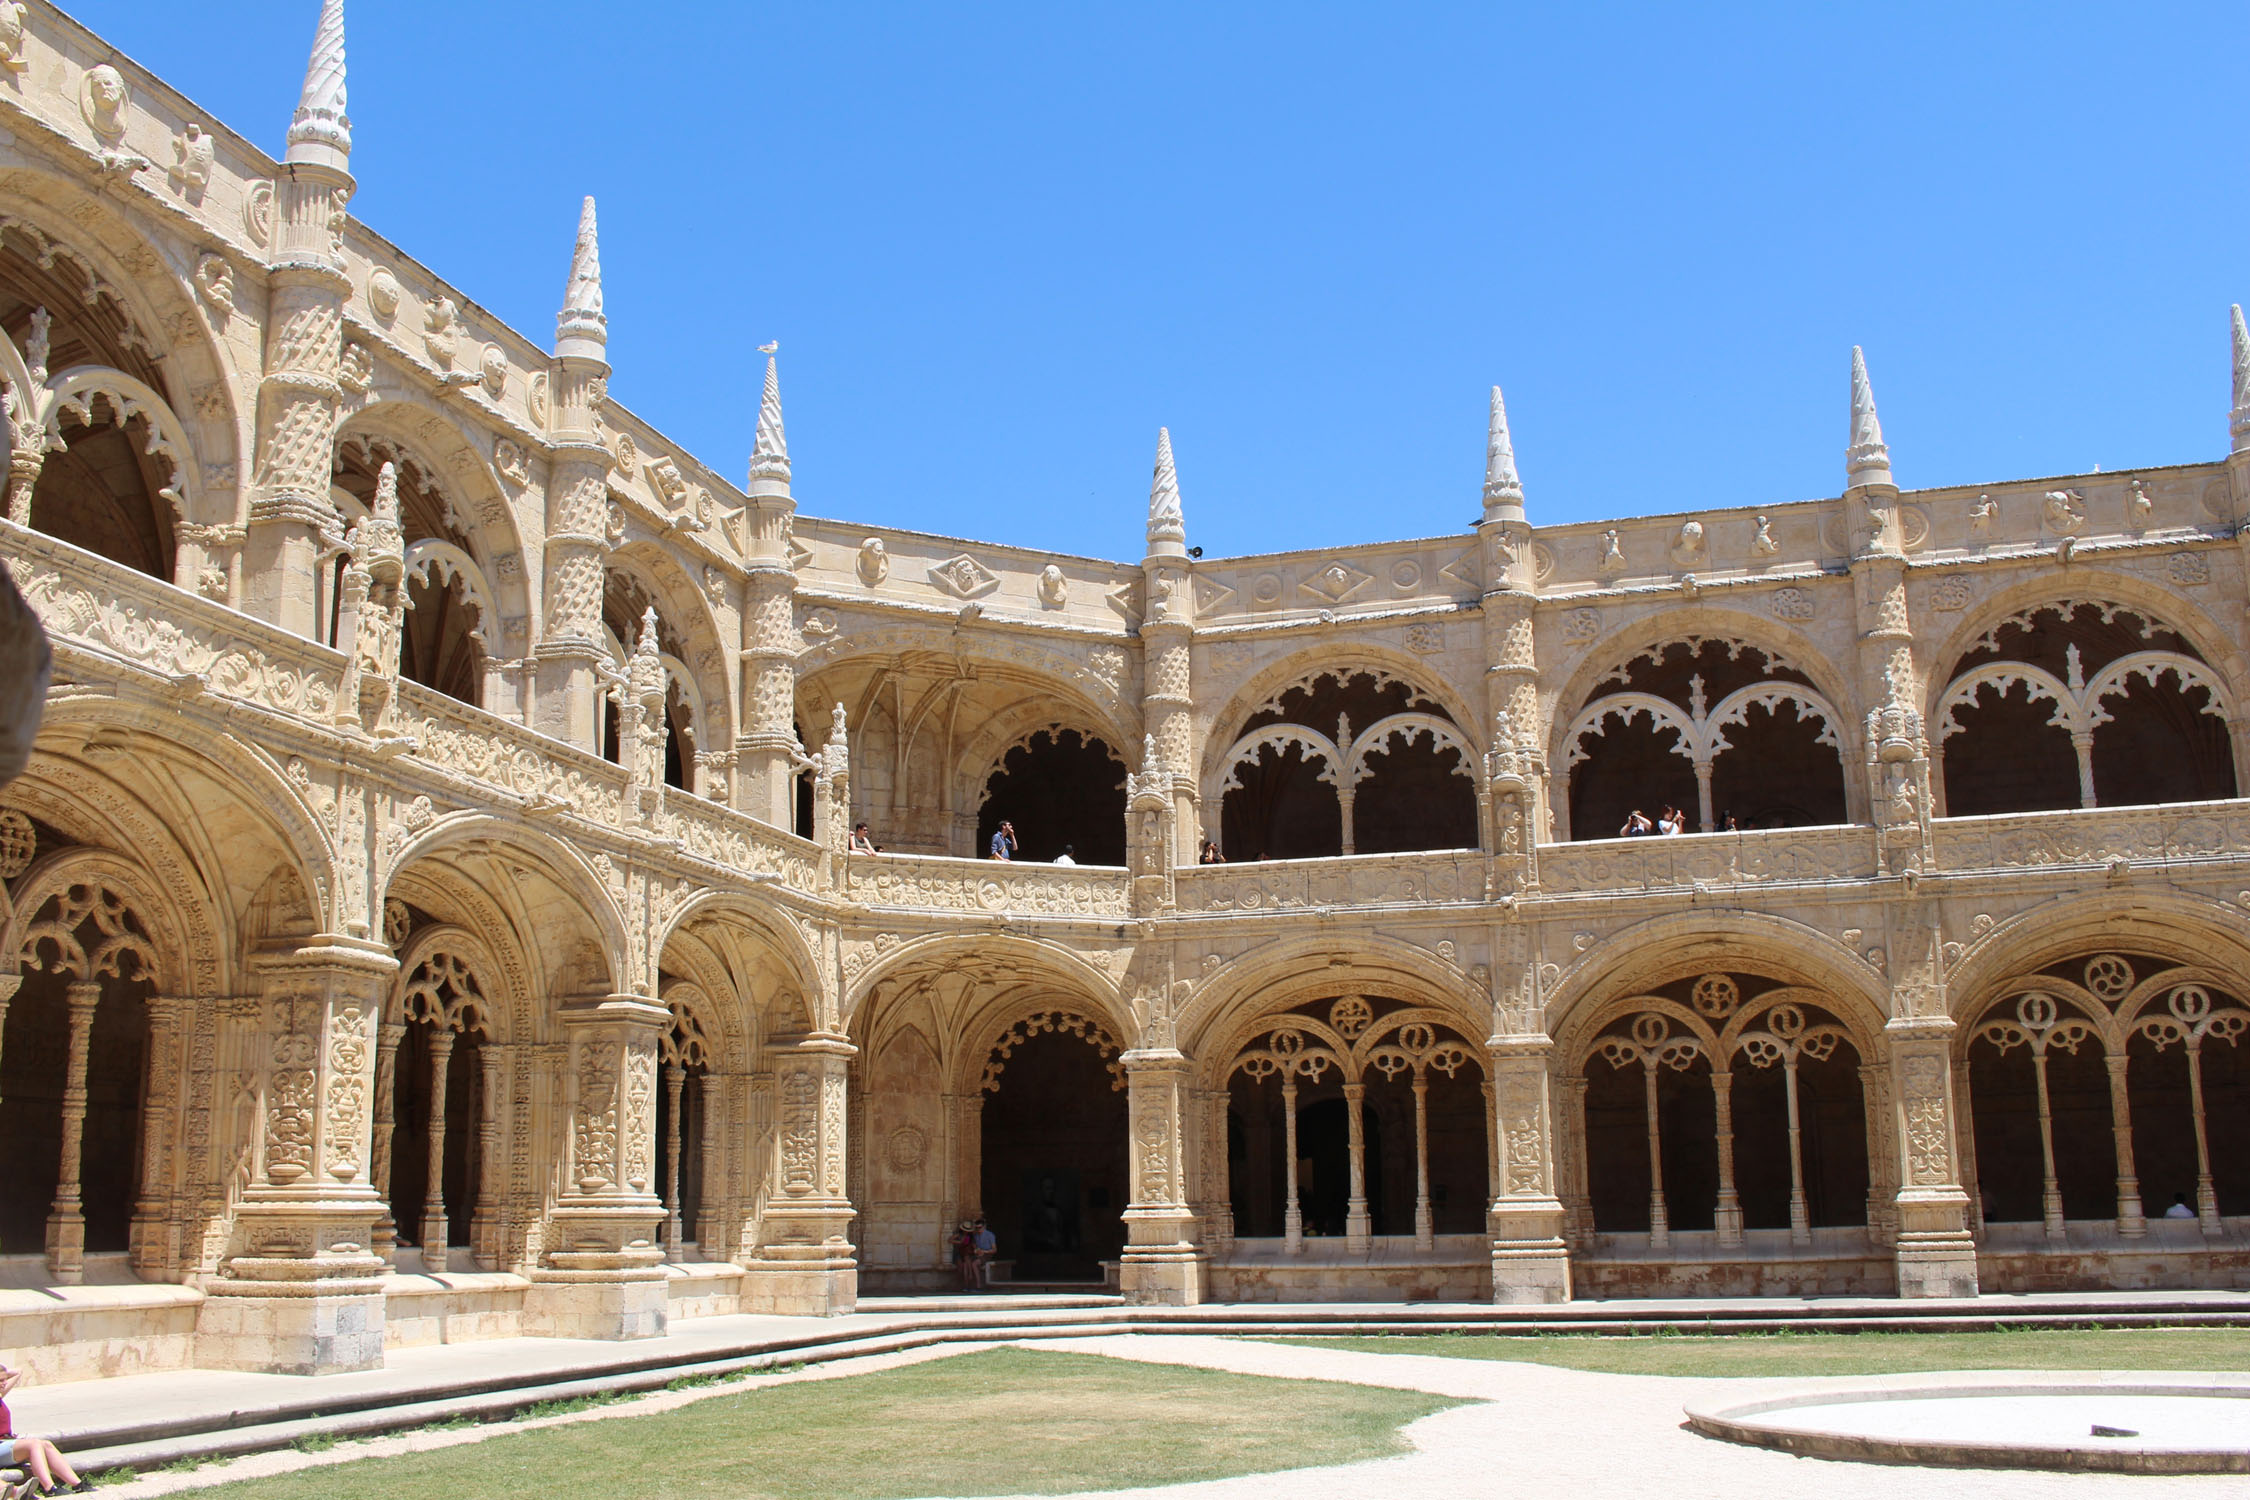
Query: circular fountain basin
x=2127, y=1424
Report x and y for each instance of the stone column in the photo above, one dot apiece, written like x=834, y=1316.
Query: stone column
x=1937, y=1257
x=300, y=394
x=301, y=1292
x=1357, y=1225
x=1163, y=1263
x=566, y=698
x=66, y=1222
x=388, y=1037
x=765, y=780
x=1529, y=1260
x=156, y=1225
x=1167, y=652
x=1728, y=1220
x=804, y=1262
x=1516, y=772
x=602, y=1276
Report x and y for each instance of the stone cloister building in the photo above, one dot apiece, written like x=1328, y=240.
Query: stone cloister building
x=429, y=912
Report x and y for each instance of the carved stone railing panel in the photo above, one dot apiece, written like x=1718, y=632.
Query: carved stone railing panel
x=2179, y=831
x=467, y=741
x=987, y=886
x=1776, y=855
x=1348, y=880
x=118, y=612
x=711, y=831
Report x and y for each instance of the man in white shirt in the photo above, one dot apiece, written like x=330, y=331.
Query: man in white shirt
x=2179, y=1208
x=1064, y=857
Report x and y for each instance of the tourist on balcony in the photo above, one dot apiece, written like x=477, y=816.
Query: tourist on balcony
x=1064, y=857
x=863, y=842
x=2179, y=1208
x=1671, y=821
x=1636, y=827
x=51, y=1474
x=1211, y=854
x=1004, y=840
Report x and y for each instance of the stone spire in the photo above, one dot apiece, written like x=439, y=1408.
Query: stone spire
x=320, y=133
x=580, y=328
x=2238, y=422
x=1867, y=461
x=769, y=458
x=1167, y=527
x=1503, y=487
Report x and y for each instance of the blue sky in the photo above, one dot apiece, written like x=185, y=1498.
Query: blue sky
x=1001, y=245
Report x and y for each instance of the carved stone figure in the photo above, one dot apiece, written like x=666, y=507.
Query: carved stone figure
x=383, y=294
x=193, y=151
x=874, y=564
x=214, y=279
x=102, y=99
x=11, y=36
x=1054, y=589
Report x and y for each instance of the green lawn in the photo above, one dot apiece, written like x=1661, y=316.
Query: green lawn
x=1814, y=1353
x=1006, y=1421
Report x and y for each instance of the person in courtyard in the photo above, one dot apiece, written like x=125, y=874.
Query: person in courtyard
x=965, y=1254
x=863, y=842
x=51, y=1473
x=2179, y=1208
x=1636, y=826
x=1004, y=841
x=986, y=1246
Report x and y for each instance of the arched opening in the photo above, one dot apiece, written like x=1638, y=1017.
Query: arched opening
x=1727, y=732
x=1799, y=1118
x=2082, y=703
x=1054, y=1140
x=72, y=1077
x=444, y=1091
x=103, y=491
x=625, y=612
x=684, y=1136
x=2039, y=1095
x=1356, y=1117
x=1061, y=788
x=443, y=636
x=1347, y=761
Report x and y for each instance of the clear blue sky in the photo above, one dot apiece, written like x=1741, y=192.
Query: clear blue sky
x=1001, y=245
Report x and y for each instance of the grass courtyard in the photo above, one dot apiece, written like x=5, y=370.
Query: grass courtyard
x=1818, y=1353
x=1007, y=1421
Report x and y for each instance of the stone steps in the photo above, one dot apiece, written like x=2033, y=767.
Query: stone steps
x=267, y=1421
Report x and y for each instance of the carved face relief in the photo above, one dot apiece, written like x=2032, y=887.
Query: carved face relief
x=495, y=370
x=874, y=563
x=383, y=293
x=1054, y=589
x=102, y=101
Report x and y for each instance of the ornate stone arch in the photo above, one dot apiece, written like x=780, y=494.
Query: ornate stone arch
x=1647, y=955
x=406, y=430
x=438, y=563
x=2183, y=929
x=466, y=954
x=83, y=390
x=1335, y=658
x=81, y=879
x=786, y=940
x=1071, y=981
x=149, y=281
x=703, y=657
x=1276, y=976
x=1611, y=652
x=984, y=754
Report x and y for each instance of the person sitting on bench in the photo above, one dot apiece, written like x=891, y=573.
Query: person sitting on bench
x=51, y=1473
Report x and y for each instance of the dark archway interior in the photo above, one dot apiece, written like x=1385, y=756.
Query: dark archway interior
x=693, y=1123
x=1054, y=1178
x=34, y=1060
x=410, y=1134
x=1324, y=1164
x=435, y=647
x=2008, y=757
x=1775, y=775
x=1281, y=809
x=1412, y=797
x=1617, y=1146
x=2010, y=1165
x=1631, y=767
x=101, y=493
x=1061, y=787
x=1832, y=1117
x=2163, y=1106
x=2158, y=746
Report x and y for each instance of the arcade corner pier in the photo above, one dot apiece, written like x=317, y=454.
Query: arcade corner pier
x=424, y=918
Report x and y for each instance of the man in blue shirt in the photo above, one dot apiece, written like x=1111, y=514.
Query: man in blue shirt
x=1004, y=841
